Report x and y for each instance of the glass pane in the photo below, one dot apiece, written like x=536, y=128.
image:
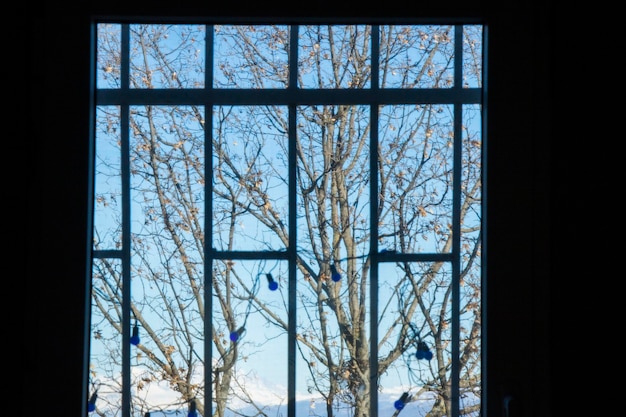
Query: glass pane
x=107, y=231
x=105, y=366
x=471, y=262
x=250, y=177
x=332, y=362
x=167, y=356
x=472, y=56
x=416, y=178
x=167, y=222
x=108, y=54
x=334, y=234
x=416, y=56
x=251, y=56
x=414, y=338
x=333, y=184
x=250, y=338
x=334, y=56
x=167, y=56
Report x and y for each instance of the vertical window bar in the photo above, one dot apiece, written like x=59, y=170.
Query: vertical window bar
x=375, y=47
x=483, y=222
x=125, y=150
x=292, y=245
x=374, y=109
x=90, y=216
x=456, y=219
x=208, y=223
x=292, y=62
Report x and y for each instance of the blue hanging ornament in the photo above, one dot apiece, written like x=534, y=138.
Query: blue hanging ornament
x=273, y=285
x=400, y=403
x=134, y=339
x=423, y=352
x=335, y=275
x=192, y=409
x=236, y=335
x=91, y=404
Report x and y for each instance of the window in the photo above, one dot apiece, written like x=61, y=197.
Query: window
x=287, y=219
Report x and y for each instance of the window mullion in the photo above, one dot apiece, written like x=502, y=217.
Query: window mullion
x=126, y=224
x=456, y=221
x=292, y=247
x=208, y=221
x=373, y=172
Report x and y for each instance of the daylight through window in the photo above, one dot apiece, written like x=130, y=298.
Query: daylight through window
x=287, y=220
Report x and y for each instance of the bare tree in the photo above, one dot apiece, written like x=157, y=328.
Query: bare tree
x=249, y=201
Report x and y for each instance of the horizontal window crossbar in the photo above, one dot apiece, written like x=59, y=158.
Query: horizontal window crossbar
x=379, y=18
x=103, y=254
x=109, y=97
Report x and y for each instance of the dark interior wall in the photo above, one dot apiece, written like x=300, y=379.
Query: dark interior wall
x=517, y=319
